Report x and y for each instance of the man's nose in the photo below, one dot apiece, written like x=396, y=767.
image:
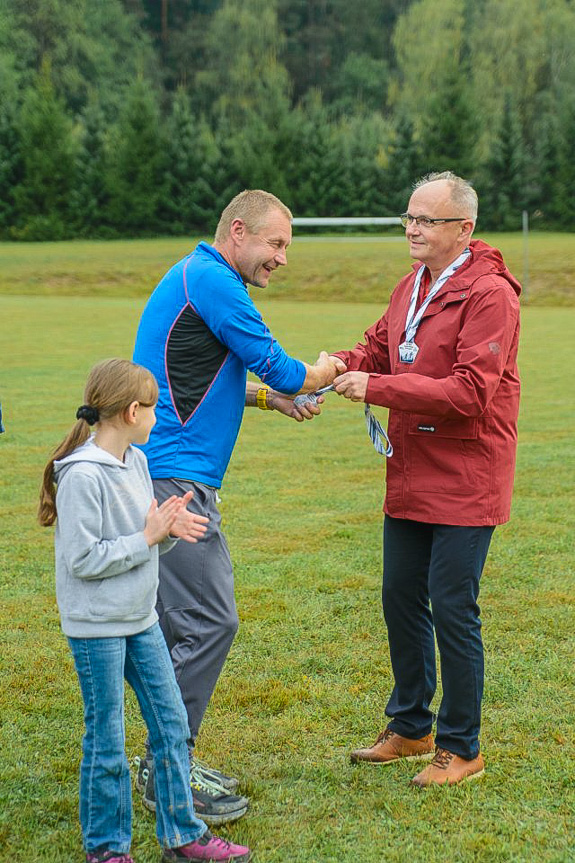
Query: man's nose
x=280, y=257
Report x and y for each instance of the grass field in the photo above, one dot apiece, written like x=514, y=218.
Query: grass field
x=361, y=269
x=308, y=675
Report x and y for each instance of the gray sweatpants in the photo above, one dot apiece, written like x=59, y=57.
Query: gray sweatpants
x=196, y=603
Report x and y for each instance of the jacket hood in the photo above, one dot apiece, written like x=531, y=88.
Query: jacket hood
x=89, y=452
x=486, y=259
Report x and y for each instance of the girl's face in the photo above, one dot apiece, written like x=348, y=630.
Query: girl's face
x=144, y=422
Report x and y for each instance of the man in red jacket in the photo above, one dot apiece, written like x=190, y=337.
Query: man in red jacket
x=443, y=360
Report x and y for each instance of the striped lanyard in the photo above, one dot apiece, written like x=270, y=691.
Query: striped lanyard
x=413, y=318
x=408, y=350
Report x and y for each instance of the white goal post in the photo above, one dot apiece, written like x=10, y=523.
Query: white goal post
x=344, y=220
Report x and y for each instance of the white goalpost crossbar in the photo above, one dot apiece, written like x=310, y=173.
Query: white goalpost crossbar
x=352, y=220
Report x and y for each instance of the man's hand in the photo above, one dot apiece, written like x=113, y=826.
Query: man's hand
x=339, y=364
x=322, y=373
x=285, y=405
x=352, y=385
x=324, y=357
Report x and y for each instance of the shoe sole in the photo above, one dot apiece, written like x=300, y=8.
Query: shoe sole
x=209, y=819
x=426, y=756
x=239, y=858
x=469, y=778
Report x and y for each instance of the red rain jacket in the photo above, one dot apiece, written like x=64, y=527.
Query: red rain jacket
x=453, y=411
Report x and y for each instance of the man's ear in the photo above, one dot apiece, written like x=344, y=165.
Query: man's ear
x=467, y=228
x=238, y=230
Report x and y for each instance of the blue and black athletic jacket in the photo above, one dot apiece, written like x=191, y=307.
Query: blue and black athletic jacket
x=198, y=334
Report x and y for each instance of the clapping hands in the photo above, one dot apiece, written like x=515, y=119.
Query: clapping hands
x=173, y=518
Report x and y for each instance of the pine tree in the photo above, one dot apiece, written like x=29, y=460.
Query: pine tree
x=404, y=168
x=564, y=186
x=448, y=136
x=313, y=164
x=43, y=195
x=501, y=186
x=135, y=178
x=193, y=156
x=90, y=197
x=545, y=167
x=10, y=163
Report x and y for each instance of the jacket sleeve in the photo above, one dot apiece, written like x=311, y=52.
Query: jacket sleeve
x=79, y=506
x=371, y=355
x=231, y=315
x=482, y=350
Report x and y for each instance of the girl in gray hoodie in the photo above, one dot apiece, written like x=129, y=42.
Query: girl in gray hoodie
x=109, y=533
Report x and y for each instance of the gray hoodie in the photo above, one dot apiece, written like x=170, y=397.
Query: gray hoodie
x=106, y=574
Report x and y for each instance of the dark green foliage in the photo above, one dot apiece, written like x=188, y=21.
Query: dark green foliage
x=42, y=209
x=135, y=177
x=323, y=34
x=502, y=187
x=134, y=117
x=193, y=155
x=405, y=164
x=361, y=85
x=312, y=162
x=242, y=79
x=90, y=198
x=564, y=185
x=89, y=46
x=447, y=141
x=10, y=163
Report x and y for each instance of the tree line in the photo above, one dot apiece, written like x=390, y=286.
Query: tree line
x=139, y=117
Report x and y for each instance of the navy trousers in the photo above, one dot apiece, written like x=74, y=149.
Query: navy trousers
x=431, y=576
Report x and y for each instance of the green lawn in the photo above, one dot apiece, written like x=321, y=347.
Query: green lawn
x=356, y=270
x=309, y=673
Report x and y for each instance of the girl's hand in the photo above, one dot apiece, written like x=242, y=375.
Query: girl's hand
x=160, y=519
x=188, y=525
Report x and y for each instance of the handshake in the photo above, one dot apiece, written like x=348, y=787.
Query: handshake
x=323, y=372
x=329, y=373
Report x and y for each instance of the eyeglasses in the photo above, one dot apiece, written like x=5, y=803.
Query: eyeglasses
x=425, y=221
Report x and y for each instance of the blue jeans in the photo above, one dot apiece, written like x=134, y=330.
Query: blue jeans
x=438, y=564
x=105, y=790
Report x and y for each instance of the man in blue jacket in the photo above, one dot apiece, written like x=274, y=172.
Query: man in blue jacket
x=199, y=334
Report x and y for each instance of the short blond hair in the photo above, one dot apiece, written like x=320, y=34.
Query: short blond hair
x=462, y=192
x=252, y=206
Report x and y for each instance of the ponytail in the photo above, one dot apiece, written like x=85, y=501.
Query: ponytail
x=78, y=435
x=111, y=387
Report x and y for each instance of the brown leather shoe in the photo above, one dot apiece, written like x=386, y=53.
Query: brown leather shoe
x=449, y=769
x=390, y=747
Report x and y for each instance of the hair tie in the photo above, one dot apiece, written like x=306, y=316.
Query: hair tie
x=88, y=413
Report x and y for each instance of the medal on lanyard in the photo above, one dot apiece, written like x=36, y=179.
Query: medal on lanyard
x=408, y=350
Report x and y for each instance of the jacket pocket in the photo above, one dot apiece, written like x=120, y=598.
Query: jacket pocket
x=129, y=596
x=446, y=456
x=466, y=428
